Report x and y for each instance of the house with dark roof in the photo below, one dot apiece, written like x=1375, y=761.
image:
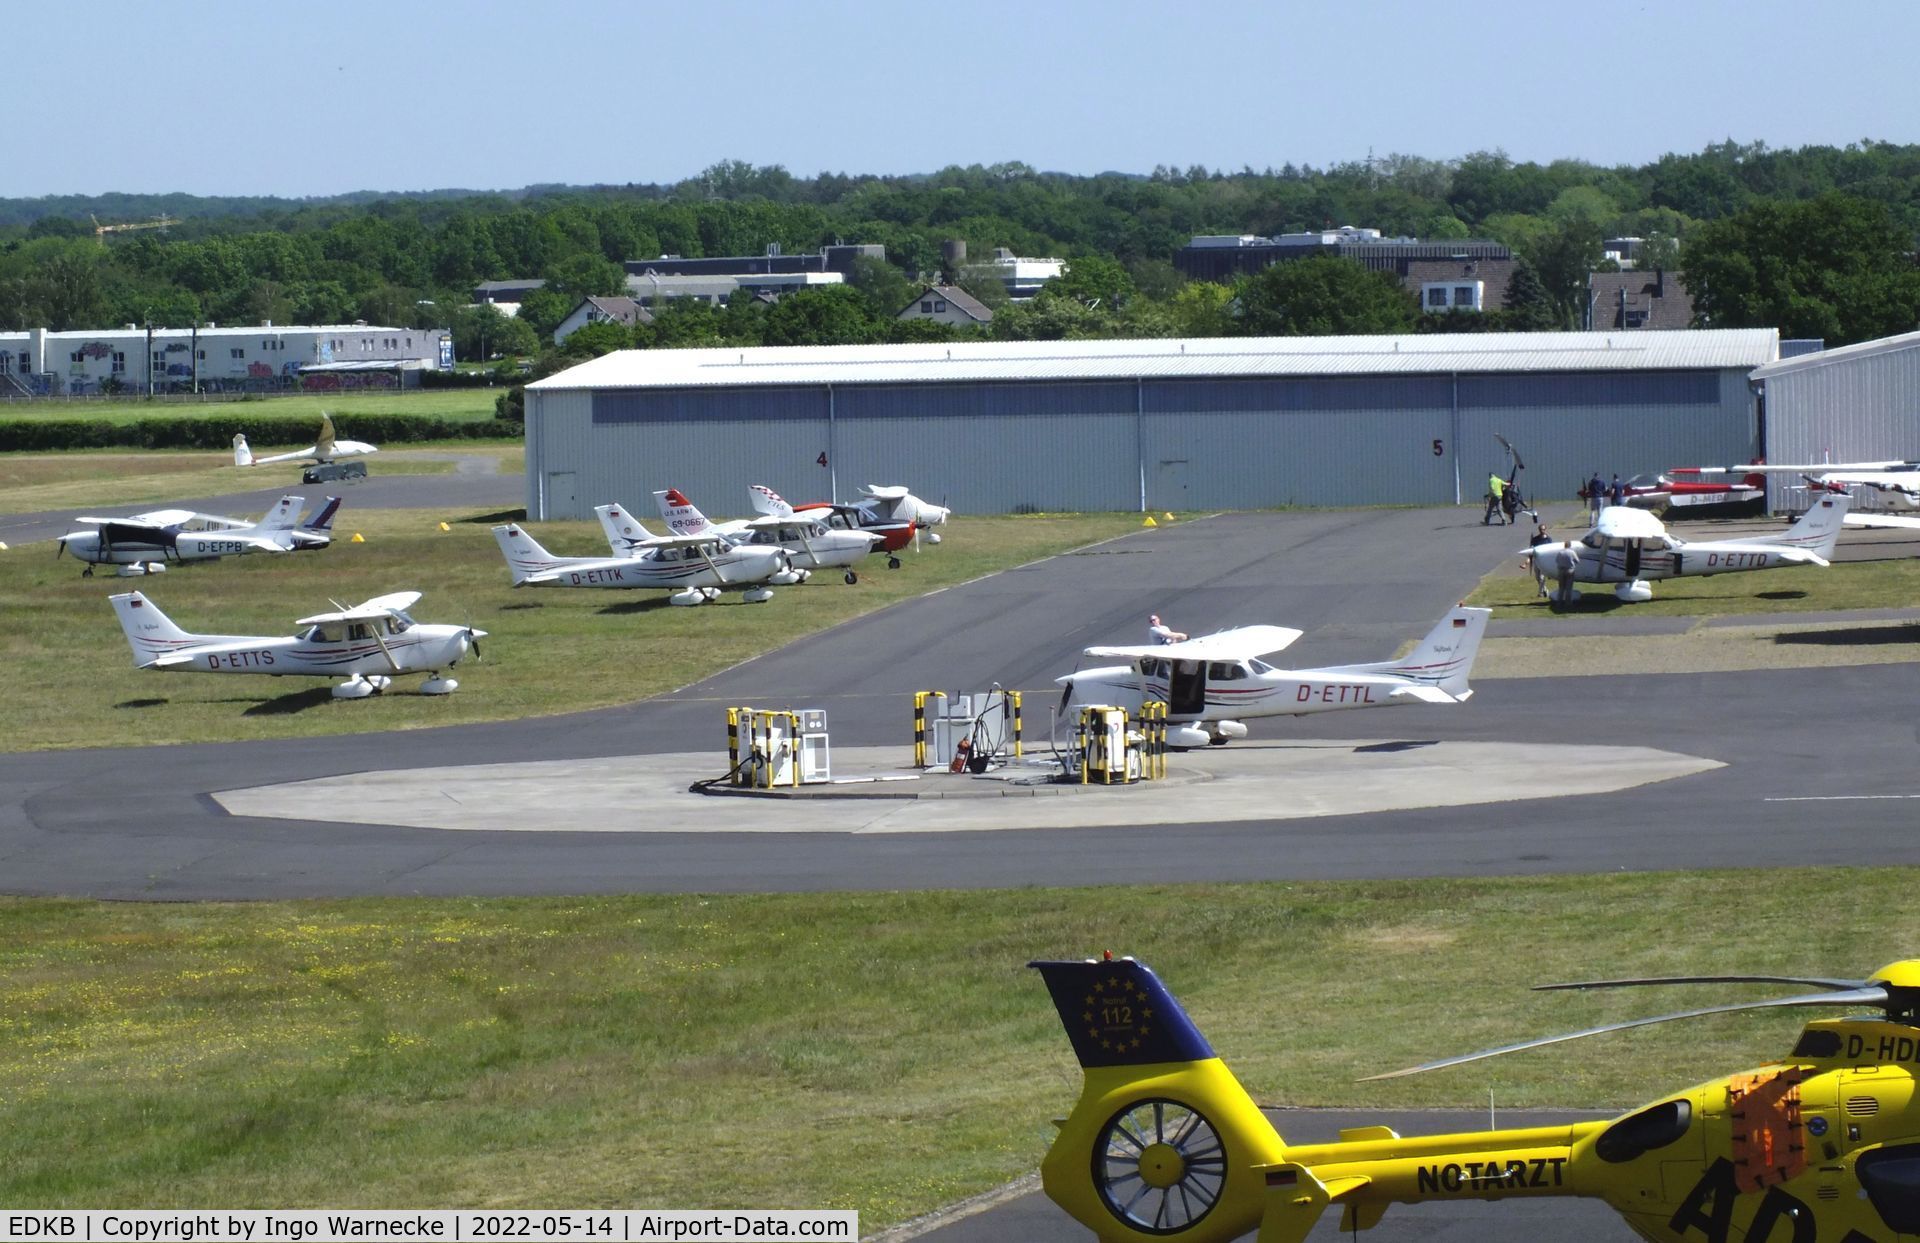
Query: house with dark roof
x=948, y=304
x=623, y=311
x=1621, y=300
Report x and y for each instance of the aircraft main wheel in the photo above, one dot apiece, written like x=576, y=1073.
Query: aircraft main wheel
x=852, y=578
x=893, y=563
x=1217, y=740
x=1159, y=1166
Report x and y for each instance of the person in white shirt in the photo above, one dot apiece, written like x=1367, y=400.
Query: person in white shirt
x=1159, y=632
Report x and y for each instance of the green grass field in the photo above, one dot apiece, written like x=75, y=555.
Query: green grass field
x=72, y=682
x=448, y=403
x=1892, y=583
x=883, y=1052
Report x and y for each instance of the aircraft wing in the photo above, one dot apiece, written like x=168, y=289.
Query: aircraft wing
x=1880, y=520
x=1622, y=522
x=380, y=606
x=886, y=492
x=1243, y=643
x=1891, y=480
x=157, y=518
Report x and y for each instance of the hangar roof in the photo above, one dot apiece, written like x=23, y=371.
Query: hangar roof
x=1820, y=358
x=1199, y=358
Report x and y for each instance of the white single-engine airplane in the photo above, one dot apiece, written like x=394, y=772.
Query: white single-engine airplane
x=695, y=569
x=1214, y=683
x=810, y=544
x=370, y=643
x=325, y=448
x=143, y=543
x=1629, y=547
x=890, y=511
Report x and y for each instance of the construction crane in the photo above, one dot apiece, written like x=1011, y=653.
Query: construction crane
x=158, y=222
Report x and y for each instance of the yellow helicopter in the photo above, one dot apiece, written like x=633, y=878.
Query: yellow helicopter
x=1822, y=1146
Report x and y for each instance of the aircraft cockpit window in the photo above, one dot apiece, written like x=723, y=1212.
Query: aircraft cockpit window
x=325, y=633
x=1260, y=667
x=1891, y=1177
x=397, y=622
x=1225, y=671
x=1593, y=540
x=359, y=630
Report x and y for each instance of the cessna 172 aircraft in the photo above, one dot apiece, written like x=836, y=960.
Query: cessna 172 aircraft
x=1212, y=684
x=1898, y=482
x=371, y=642
x=325, y=448
x=1821, y=1146
x=143, y=543
x=889, y=511
x=810, y=544
x=700, y=567
x=1629, y=547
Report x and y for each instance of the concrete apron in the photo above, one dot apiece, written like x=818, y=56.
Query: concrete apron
x=1243, y=781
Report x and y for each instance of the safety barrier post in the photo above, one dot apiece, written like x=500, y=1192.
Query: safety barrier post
x=733, y=739
x=920, y=728
x=1017, y=751
x=793, y=746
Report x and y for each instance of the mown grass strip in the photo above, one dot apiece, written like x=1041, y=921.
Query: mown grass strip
x=885, y=1052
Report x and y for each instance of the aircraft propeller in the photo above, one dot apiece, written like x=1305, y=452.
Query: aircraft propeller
x=1899, y=999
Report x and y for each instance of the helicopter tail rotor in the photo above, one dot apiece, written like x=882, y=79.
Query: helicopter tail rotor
x=1164, y=1142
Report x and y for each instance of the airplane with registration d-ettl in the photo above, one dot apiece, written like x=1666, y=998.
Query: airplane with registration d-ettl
x=809, y=542
x=695, y=569
x=145, y=543
x=1630, y=548
x=369, y=643
x=326, y=447
x=1821, y=1145
x=1213, y=684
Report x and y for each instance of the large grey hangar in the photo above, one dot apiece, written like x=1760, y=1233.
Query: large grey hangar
x=1215, y=423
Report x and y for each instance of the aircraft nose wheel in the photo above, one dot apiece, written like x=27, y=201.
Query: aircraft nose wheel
x=1159, y=1166
x=893, y=563
x=852, y=578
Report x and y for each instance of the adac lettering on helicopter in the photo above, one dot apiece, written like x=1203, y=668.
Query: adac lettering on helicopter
x=238, y=660
x=1707, y=1213
x=1479, y=1177
x=1334, y=693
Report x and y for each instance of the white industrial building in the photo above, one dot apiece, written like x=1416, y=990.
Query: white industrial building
x=1857, y=403
x=210, y=358
x=1217, y=423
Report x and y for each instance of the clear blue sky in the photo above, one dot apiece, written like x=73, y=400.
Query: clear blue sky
x=266, y=97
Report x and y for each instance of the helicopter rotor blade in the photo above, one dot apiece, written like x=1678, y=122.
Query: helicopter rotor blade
x=1872, y=995
x=1506, y=444
x=1811, y=981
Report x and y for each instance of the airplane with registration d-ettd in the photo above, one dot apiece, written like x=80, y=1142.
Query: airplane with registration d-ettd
x=1630, y=548
x=145, y=543
x=326, y=447
x=888, y=510
x=369, y=643
x=1212, y=685
x=810, y=544
x=695, y=569
x=1822, y=1145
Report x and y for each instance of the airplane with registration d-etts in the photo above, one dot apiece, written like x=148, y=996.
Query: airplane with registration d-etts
x=1629, y=548
x=326, y=447
x=695, y=569
x=144, y=543
x=1213, y=684
x=370, y=643
x=810, y=544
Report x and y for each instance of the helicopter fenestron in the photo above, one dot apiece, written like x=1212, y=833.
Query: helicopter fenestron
x=1821, y=1146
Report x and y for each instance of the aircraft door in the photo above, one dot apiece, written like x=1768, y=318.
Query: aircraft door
x=1633, y=558
x=1187, y=688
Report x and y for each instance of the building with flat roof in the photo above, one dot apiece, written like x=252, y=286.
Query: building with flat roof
x=263, y=358
x=1468, y=274
x=1209, y=423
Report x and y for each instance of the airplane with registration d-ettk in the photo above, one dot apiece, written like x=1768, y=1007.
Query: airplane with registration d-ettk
x=1213, y=684
x=326, y=447
x=695, y=569
x=369, y=644
x=145, y=543
x=810, y=544
x=1629, y=548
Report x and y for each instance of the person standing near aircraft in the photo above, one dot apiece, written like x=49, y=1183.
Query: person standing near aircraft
x=1496, y=488
x=1596, y=496
x=1540, y=537
x=1616, y=492
x=1159, y=633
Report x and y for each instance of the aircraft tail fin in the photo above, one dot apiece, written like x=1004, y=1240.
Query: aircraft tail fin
x=284, y=514
x=625, y=533
x=1817, y=530
x=150, y=633
x=525, y=557
x=767, y=501
x=683, y=517
x=1443, y=659
x=322, y=521
x=323, y=443
x=1163, y=1137
x=242, y=456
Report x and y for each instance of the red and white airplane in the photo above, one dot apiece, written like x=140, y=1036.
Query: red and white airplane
x=889, y=511
x=1213, y=684
x=370, y=642
x=1682, y=491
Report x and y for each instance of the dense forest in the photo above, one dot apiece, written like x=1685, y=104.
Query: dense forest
x=1816, y=241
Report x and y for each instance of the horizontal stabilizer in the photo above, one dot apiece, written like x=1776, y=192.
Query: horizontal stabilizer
x=168, y=662
x=1425, y=694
